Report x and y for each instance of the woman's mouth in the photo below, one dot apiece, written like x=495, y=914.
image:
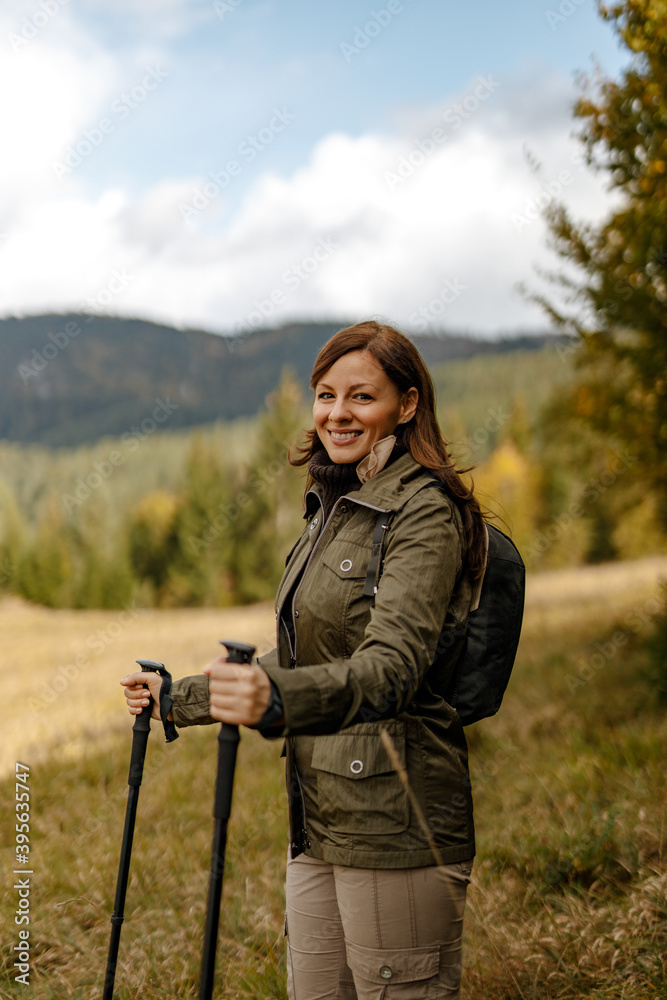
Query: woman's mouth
x=343, y=437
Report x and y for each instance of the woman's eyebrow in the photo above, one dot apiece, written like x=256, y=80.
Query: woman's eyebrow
x=359, y=385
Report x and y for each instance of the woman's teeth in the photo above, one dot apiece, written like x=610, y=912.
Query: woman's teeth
x=344, y=435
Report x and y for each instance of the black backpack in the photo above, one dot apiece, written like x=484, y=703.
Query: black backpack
x=485, y=663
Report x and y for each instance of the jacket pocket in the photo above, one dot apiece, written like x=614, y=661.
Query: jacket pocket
x=358, y=790
x=347, y=560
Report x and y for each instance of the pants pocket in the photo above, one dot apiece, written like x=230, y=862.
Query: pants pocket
x=394, y=973
x=465, y=868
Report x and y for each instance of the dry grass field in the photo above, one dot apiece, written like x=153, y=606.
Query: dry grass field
x=569, y=894
x=60, y=669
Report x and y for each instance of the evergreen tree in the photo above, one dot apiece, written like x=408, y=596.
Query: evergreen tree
x=199, y=572
x=45, y=571
x=268, y=501
x=101, y=571
x=152, y=538
x=620, y=326
x=12, y=541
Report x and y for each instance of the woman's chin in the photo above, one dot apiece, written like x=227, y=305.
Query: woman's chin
x=343, y=454
x=339, y=459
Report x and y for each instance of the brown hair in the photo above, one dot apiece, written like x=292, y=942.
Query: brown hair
x=403, y=364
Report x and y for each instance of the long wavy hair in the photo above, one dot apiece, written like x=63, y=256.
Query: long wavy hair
x=403, y=364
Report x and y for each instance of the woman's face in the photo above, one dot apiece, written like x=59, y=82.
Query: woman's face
x=356, y=405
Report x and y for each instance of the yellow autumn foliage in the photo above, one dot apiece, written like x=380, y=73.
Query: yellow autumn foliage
x=508, y=485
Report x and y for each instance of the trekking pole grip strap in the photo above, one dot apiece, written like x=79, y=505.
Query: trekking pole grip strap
x=166, y=701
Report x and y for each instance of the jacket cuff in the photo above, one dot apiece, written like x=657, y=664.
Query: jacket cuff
x=271, y=720
x=301, y=699
x=191, y=705
x=268, y=659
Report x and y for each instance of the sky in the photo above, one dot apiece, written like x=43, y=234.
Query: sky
x=226, y=164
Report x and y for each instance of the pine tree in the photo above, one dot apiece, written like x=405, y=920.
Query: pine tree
x=620, y=323
x=152, y=538
x=199, y=571
x=102, y=575
x=12, y=541
x=45, y=572
x=269, y=508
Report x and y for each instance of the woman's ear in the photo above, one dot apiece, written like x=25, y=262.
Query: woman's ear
x=409, y=405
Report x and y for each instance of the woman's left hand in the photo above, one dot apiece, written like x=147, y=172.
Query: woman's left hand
x=239, y=693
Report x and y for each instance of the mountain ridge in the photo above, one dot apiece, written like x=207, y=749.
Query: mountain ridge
x=72, y=378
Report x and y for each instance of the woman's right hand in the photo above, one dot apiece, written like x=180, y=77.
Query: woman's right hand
x=138, y=686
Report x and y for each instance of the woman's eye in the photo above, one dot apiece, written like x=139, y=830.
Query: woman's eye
x=363, y=396
x=325, y=395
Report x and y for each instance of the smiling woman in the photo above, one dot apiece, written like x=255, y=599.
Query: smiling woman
x=357, y=405
x=372, y=902
x=397, y=405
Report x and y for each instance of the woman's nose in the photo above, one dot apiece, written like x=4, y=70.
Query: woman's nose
x=340, y=409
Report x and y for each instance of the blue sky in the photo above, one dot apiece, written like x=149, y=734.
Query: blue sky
x=376, y=154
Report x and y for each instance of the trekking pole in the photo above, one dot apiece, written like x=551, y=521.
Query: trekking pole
x=228, y=741
x=140, y=731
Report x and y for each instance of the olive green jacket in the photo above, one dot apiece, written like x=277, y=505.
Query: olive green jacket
x=357, y=665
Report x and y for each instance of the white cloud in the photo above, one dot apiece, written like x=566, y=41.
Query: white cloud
x=164, y=18
x=54, y=91
x=144, y=8
x=451, y=218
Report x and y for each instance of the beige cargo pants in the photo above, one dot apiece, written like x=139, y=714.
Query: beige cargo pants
x=374, y=934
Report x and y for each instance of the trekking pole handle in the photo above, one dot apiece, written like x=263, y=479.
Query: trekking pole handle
x=228, y=739
x=141, y=729
x=165, y=703
x=238, y=652
x=143, y=720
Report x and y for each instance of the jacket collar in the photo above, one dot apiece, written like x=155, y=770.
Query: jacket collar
x=389, y=489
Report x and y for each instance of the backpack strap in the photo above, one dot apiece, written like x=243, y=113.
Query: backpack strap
x=477, y=587
x=382, y=523
x=374, y=566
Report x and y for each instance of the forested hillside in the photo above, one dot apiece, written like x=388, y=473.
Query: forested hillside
x=204, y=516
x=70, y=379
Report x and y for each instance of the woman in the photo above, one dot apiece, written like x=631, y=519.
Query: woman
x=372, y=910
